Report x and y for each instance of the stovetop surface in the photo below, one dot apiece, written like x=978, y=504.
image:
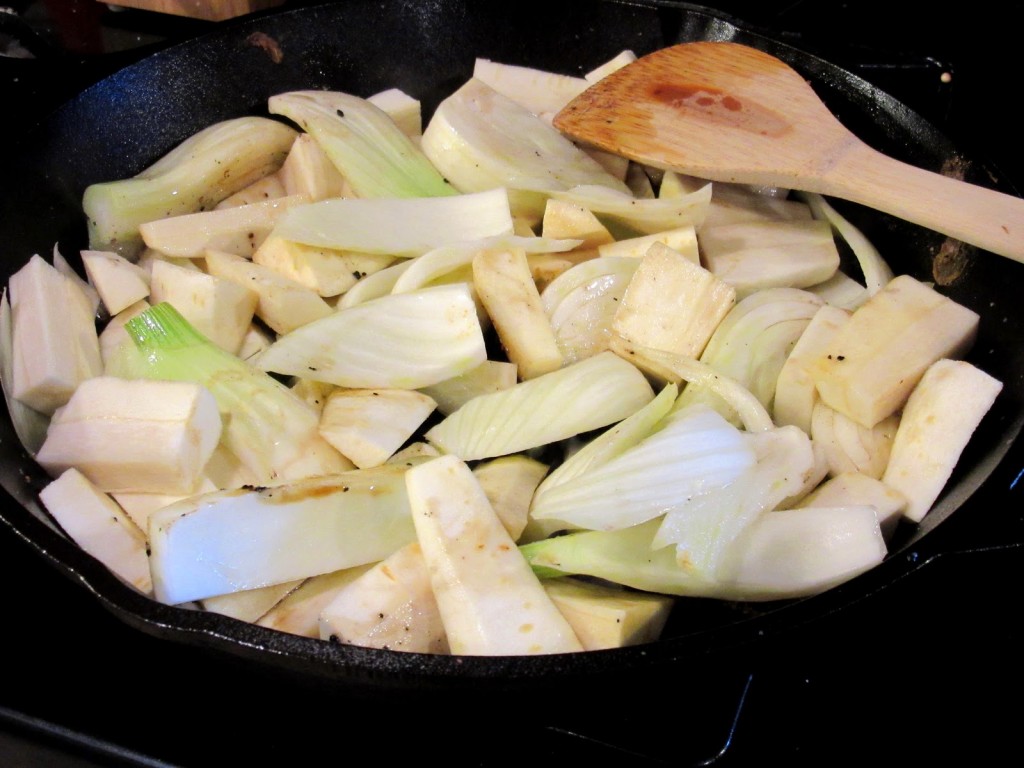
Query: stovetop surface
x=926, y=670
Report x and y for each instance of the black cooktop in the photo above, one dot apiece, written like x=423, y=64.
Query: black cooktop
x=926, y=670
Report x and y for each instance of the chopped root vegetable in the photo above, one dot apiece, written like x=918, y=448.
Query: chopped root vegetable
x=639, y=377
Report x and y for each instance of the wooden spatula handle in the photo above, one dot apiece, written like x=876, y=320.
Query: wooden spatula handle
x=977, y=215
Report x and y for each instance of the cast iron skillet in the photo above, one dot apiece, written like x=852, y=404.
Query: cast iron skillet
x=122, y=124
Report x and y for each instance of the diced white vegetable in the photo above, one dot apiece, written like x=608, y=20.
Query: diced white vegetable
x=390, y=606
x=238, y=230
x=118, y=282
x=326, y=271
x=369, y=425
x=854, y=489
x=299, y=611
x=615, y=63
x=842, y=291
x=564, y=219
x=875, y=360
x=402, y=108
x=250, y=604
x=942, y=413
x=683, y=240
x=54, y=341
x=507, y=291
x=134, y=435
x=671, y=304
x=769, y=254
x=608, y=617
x=139, y=506
x=62, y=266
x=270, y=187
x=509, y=483
x=490, y=601
x=292, y=531
x=29, y=424
x=308, y=171
x=95, y=522
x=219, y=308
x=282, y=303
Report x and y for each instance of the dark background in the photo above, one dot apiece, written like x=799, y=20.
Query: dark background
x=928, y=670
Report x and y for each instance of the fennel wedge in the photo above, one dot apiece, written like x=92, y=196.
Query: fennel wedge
x=194, y=176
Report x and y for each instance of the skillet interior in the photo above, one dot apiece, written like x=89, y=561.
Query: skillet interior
x=120, y=125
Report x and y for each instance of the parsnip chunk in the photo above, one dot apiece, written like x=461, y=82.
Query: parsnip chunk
x=607, y=617
x=505, y=286
x=873, y=363
x=55, y=346
x=99, y=526
x=671, y=304
x=134, y=435
x=941, y=414
x=118, y=282
x=369, y=425
x=490, y=600
x=220, y=309
x=391, y=606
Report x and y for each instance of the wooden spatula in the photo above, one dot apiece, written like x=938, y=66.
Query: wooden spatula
x=728, y=112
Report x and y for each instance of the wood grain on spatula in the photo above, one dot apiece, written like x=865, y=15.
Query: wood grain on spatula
x=729, y=112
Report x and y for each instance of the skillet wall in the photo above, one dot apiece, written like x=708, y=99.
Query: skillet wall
x=427, y=49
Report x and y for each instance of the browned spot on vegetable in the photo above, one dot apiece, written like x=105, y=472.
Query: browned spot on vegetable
x=268, y=44
x=291, y=494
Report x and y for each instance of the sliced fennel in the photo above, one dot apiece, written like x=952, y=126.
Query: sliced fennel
x=753, y=341
x=480, y=140
x=291, y=531
x=266, y=425
x=591, y=394
x=397, y=227
x=647, y=216
x=624, y=556
x=29, y=424
x=782, y=554
x=732, y=394
x=611, y=443
x=446, y=259
x=702, y=527
x=695, y=454
x=374, y=155
x=195, y=176
x=581, y=303
x=401, y=341
x=877, y=272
